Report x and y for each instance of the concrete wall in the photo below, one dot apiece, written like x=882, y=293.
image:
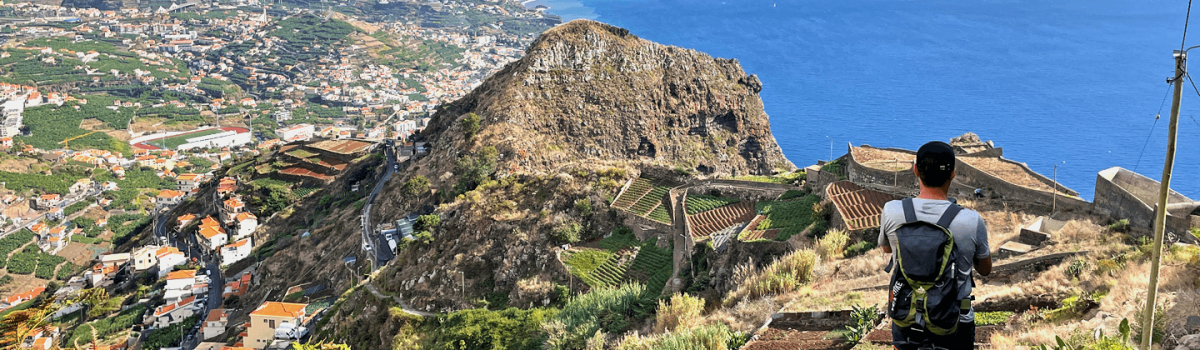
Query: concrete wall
x=811, y=320
x=1120, y=194
x=859, y=173
x=968, y=178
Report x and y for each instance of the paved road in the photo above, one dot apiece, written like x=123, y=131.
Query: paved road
x=382, y=253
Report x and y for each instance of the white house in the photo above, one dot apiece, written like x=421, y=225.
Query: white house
x=189, y=182
x=236, y=251
x=245, y=224
x=168, y=259
x=211, y=235
x=173, y=313
x=298, y=132
x=215, y=323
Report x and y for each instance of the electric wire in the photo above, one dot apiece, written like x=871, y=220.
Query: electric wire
x=1156, y=117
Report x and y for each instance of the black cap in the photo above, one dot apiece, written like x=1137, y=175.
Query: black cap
x=935, y=157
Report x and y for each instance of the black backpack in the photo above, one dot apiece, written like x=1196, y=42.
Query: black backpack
x=924, y=289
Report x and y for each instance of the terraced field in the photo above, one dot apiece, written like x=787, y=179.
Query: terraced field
x=600, y=268
x=652, y=267
x=636, y=190
x=646, y=197
x=699, y=203
x=713, y=220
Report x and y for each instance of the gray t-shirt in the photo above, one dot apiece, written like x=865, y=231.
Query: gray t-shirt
x=970, y=236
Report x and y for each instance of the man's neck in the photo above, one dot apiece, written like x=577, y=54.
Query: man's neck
x=936, y=193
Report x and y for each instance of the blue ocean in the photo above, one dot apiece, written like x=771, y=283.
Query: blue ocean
x=1073, y=83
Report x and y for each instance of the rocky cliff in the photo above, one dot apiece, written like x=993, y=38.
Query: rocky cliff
x=587, y=90
x=558, y=133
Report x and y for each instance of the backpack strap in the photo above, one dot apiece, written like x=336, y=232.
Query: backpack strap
x=948, y=216
x=910, y=212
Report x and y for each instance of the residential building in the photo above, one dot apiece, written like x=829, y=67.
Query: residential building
x=237, y=286
x=169, y=198
x=298, y=132
x=189, y=182
x=244, y=224
x=47, y=201
x=173, y=313
x=144, y=258
x=230, y=208
x=168, y=258
x=184, y=220
x=236, y=251
x=271, y=316
x=211, y=235
x=215, y=323
x=81, y=185
x=16, y=299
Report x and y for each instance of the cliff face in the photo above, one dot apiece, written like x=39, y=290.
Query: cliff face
x=590, y=91
x=588, y=107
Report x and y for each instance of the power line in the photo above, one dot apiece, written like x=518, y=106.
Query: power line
x=1186, y=18
x=1156, y=117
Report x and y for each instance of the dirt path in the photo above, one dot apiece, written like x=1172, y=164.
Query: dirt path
x=403, y=305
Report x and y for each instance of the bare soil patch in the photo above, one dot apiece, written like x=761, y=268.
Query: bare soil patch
x=1008, y=171
x=883, y=159
x=17, y=164
x=77, y=253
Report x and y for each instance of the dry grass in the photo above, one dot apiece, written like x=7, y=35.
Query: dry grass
x=746, y=315
x=786, y=274
x=683, y=311
x=833, y=244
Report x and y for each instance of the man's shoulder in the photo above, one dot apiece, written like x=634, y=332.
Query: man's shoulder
x=969, y=215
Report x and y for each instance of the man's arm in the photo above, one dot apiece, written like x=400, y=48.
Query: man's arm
x=983, y=253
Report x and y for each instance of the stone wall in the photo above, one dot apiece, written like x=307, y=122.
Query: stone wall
x=643, y=228
x=811, y=320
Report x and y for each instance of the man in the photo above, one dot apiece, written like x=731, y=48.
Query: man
x=935, y=169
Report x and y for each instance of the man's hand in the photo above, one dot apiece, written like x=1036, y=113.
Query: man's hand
x=887, y=249
x=984, y=266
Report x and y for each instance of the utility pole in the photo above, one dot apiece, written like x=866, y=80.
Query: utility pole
x=1160, y=212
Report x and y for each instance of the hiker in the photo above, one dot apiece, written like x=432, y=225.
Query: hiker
x=930, y=302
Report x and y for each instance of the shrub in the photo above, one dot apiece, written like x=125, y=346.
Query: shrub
x=1121, y=226
x=786, y=274
x=682, y=312
x=424, y=237
x=1076, y=268
x=1160, y=323
x=603, y=308
x=416, y=186
x=584, y=206
x=711, y=337
x=862, y=321
x=989, y=318
x=510, y=328
x=567, y=232
x=859, y=248
x=427, y=222
x=833, y=244
x=470, y=125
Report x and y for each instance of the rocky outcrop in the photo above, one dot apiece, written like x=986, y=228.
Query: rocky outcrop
x=588, y=107
x=587, y=90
